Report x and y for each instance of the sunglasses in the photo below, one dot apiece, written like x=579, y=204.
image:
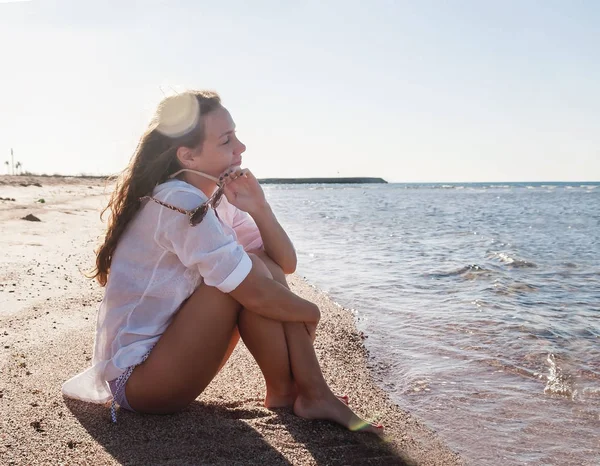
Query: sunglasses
x=196, y=215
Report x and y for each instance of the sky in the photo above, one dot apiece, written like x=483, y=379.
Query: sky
x=410, y=91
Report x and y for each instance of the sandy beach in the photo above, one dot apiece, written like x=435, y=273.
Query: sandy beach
x=47, y=318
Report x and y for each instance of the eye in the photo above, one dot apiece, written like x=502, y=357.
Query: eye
x=227, y=141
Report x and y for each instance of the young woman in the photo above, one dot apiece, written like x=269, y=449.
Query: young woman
x=193, y=258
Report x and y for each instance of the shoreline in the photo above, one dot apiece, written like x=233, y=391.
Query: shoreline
x=47, y=321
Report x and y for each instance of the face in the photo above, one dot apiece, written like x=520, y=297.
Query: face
x=221, y=148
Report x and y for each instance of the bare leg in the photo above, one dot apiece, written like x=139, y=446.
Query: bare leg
x=235, y=337
x=314, y=398
x=188, y=355
x=195, y=346
x=273, y=358
x=265, y=339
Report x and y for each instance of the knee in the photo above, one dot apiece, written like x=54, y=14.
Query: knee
x=259, y=265
x=276, y=273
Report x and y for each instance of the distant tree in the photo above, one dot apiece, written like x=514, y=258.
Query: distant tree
x=7, y=163
x=18, y=167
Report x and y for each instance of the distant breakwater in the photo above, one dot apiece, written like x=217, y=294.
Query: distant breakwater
x=356, y=180
x=320, y=180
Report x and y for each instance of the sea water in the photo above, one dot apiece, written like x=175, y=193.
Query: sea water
x=481, y=304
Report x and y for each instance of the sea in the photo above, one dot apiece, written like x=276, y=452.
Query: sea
x=480, y=303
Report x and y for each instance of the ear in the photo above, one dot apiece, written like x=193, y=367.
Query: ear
x=185, y=155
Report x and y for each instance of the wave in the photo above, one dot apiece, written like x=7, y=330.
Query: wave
x=559, y=382
x=513, y=261
x=468, y=271
x=511, y=368
x=511, y=289
x=485, y=186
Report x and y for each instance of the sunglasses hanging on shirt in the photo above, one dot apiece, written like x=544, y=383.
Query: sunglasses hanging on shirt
x=196, y=215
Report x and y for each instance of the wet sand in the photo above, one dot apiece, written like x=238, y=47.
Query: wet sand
x=47, y=319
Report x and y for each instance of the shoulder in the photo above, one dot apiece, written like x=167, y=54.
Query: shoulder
x=180, y=194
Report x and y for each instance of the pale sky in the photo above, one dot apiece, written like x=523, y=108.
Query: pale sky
x=411, y=91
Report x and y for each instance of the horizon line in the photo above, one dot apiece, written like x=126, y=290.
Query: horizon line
x=83, y=175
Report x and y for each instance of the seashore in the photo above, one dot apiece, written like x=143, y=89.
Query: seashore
x=47, y=320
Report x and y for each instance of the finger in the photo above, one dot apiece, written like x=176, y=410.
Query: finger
x=228, y=172
x=229, y=176
x=238, y=173
x=248, y=174
x=224, y=177
x=233, y=173
x=225, y=181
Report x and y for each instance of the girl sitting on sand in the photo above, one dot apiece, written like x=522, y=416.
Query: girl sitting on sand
x=193, y=258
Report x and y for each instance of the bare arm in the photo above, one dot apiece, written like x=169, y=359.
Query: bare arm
x=276, y=242
x=244, y=192
x=261, y=294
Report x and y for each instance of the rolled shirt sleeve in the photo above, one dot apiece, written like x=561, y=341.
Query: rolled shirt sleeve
x=218, y=257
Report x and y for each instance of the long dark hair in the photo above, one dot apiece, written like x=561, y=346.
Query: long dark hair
x=177, y=123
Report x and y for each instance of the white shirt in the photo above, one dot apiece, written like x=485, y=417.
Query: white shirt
x=158, y=263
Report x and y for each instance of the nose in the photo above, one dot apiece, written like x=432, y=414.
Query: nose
x=241, y=148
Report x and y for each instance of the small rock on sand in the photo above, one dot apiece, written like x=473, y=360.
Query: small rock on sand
x=31, y=218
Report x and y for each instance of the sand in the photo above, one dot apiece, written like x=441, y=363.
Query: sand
x=47, y=318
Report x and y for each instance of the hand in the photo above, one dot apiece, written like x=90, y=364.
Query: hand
x=243, y=190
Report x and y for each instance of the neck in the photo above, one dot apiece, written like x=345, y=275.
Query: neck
x=208, y=187
x=203, y=181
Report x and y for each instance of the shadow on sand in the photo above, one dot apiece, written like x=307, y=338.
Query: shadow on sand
x=331, y=444
x=221, y=434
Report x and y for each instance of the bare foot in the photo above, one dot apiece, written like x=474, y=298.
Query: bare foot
x=331, y=408
x=279, y=401
x=287, y=400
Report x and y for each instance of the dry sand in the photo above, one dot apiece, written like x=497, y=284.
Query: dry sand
x=47, y=317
